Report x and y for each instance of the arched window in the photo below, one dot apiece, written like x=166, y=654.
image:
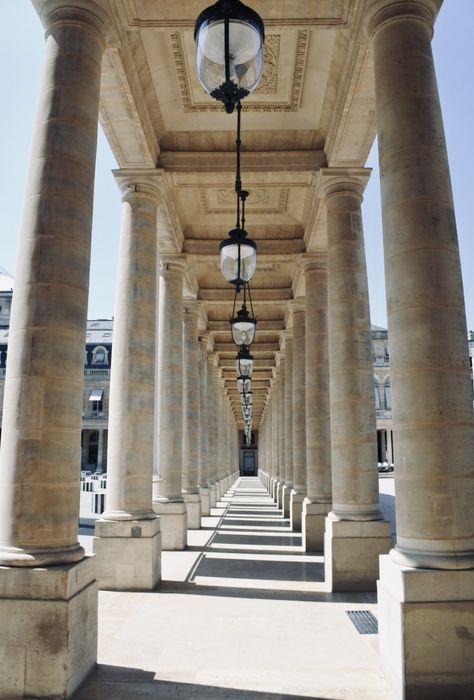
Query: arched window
x=100, y=355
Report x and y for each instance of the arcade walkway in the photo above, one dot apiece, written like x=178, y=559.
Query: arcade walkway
x=242, y=614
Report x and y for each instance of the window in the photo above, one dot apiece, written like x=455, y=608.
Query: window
x=96, y=400
x=99, y=355
x=377, y=398
x=388, y=397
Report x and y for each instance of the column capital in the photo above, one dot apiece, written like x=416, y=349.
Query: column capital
x=191, y=307
x=213, y=358
x=173, y=263
x=140, y=184
x=207, y=340
x=341, y=181
x=379, y=13
x=90, y=14
x=295, y=305
x=314, y=261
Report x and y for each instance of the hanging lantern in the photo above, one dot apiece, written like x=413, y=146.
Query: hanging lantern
x=244, y=362
x=246, y=399
x=243, y=327
x=244, y=385
x=238, y=257
x=229, y=40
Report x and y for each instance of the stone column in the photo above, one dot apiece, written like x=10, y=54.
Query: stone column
x=288, y=339
x=191, y=416
x=275, y=456
x=41, y=432
x=281, y=430
x=168, y=500
x=427, y=584
x=389, y=447
x=297, y=311
x=127, y=560
x=355, y=531
x=211, y=403
x=204, y=443
x=317, y=504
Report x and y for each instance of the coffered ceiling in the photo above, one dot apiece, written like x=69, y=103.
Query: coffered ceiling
x=314, y=108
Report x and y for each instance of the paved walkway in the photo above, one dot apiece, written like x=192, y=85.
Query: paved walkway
x=243, y=614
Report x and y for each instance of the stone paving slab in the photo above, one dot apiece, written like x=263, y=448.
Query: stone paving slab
x=247, y=625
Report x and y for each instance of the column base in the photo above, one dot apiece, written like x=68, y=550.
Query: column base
x=48, y=618
x=351, y=553
x=285, y=500
x=296, y=510
x=192, y=502
x=128, y=554
x=426, y=623
x=174, y=524
x=205, y=494
x=313, y=521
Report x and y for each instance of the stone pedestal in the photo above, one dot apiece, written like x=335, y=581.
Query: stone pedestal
x=285, y=500
x=192, y=501
x=128, y=554
x=212, y=496
x=205, y=495
x=296, y=510
x=351, y=553
x=313, y=525
x=174, y=524
x=279, y=494
x=426, y=641
x=48, y=619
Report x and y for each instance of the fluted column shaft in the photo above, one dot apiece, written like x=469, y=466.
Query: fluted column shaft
x=281, y=421
x=318, y=440
x=40, y=455
x=299, y=408
x=170, y=369
x=353, y=427
x=289, y=411
x=429, y=364
x=191, y=415
x=132, y=385
x=203, y=462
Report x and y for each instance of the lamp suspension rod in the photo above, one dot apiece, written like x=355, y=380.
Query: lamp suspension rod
x=226, y=49
x=238, y=179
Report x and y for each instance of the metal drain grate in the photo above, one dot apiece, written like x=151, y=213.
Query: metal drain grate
x=364, y=621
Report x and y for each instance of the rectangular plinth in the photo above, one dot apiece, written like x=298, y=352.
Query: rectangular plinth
x=174, y=524
x=48, y=619
x=128, y=554
x=296, y=510
x=313, y=525
x=205, y=501
x=426, y=632
x=286, y=498
x=351, y=553
x=193, y=510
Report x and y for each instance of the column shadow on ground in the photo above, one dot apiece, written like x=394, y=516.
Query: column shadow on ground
x=259, y=569
x=122, y=683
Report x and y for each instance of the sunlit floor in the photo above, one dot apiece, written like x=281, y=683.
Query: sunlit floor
x=243, y=613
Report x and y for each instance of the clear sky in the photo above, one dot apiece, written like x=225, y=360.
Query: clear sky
x=21, y=55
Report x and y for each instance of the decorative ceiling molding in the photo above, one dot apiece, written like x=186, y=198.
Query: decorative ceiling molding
x=261, y=201
x=269, y=86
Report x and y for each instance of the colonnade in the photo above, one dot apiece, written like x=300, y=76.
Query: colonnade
x=317, y=439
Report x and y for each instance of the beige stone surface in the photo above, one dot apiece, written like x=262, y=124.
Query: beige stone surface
x=351, y=553
x=48, y=619
x=128, y=554
x=425, y=619
x=40, y=455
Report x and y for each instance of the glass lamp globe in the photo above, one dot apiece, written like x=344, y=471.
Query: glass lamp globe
x=244, y=363
x=243, y=327
x=244, y=385
x=246, y=399
x=238, y=257
x=229, y=51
